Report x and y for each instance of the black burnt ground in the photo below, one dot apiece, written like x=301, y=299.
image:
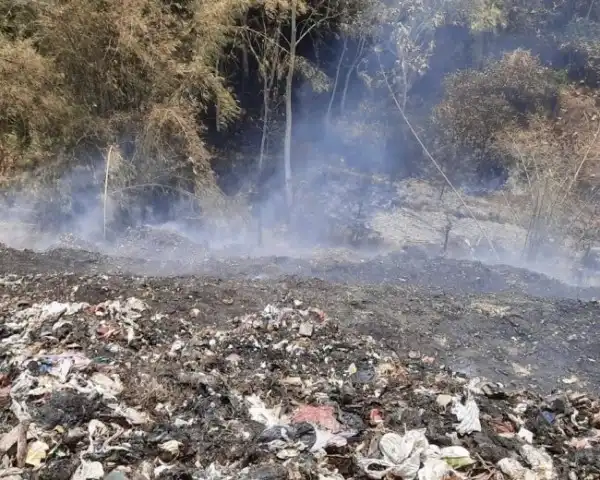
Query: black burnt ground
x=156, y=376
x=499, y=333
x=177, y=255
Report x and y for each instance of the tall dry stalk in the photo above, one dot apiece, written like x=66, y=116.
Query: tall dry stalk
x=105, y=199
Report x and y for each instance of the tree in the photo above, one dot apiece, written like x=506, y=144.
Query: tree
x=305, y=17
x=358, y=22
x=287, y=149
x=276, y=53
x=139, y=74
x=262, y=39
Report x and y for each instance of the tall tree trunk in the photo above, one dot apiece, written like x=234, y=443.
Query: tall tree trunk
x=245, y=61
x=357, y=57
x=268, y=85
x=217, y=104
x=287, y=150
x=479, y=50
x=269, y=79
x=261, y=158
x=245, y=67
x=265, y=124
x=335, y=83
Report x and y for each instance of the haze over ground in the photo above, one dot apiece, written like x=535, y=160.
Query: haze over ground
x=212, y=115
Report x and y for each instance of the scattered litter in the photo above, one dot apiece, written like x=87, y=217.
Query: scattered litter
x=520, y=370
x=548, y=416
x=444, y=400
x=456, y=457
x=260, y=413
x=539, y=461
x=9, y=439
x=436, y=469
x=322, y=416
x=36, y=453
x=119, y=390
x=88, y=471
x=171, y=446
x=403, y=455
x=376, y=417
x=306, y=329
x=525, y=435
x=570, y=380
x=133, y=416
x=467, y=414
x=513, y=470
x=107, y=386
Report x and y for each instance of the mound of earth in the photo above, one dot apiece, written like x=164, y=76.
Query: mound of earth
x=168, y=254
x=150, y=242
x=230, y=376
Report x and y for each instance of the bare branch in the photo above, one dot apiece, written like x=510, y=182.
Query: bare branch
x=435, y=163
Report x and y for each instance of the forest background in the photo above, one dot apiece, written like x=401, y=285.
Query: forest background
x=120, y=112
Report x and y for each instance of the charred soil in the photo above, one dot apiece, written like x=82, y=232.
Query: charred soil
x=478, y=319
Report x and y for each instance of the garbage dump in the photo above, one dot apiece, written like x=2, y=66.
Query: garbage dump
x=106, y=391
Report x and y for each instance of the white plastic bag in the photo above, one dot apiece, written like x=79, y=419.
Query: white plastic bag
x=467, y=415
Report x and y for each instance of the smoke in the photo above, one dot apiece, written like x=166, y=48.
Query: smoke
x=345, y=163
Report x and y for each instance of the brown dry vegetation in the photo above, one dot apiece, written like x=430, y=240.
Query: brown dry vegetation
x=517, y=113
x=558, y=161
x=142, y=79
x=479, y=104
x=79, y=76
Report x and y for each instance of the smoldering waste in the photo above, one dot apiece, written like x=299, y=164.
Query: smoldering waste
x=122, y=390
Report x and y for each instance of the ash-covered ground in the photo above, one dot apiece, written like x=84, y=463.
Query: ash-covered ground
x=179, y=368
x=491, y=320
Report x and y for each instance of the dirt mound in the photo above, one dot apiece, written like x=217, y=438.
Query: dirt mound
x=164, y=253
x=151, y=242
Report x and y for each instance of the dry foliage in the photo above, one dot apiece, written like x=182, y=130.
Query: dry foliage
x=35, y=114
x=581, y=42
x=79, y=76
x=144, y=77
x=516, y=114
x=140, y=76
x=566, y=147
x=477, y=104
x=480, y=103
x=558, y=162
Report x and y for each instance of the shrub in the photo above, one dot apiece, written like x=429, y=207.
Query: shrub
x=478, y=104
x=557, y=160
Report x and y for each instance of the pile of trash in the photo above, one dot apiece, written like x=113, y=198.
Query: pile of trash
x=119, y=390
